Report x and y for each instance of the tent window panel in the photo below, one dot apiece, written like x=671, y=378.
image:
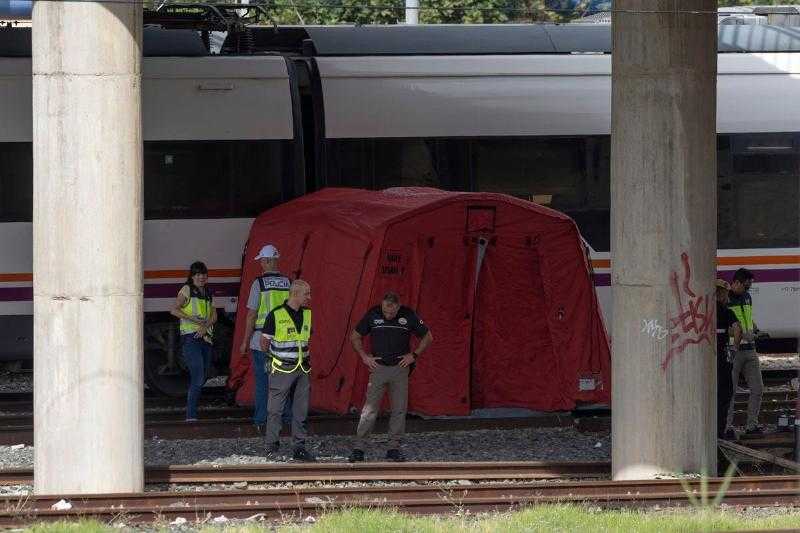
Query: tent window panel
x=214, y=179
x=16, y=182
x=383, y=163
x=551, y=171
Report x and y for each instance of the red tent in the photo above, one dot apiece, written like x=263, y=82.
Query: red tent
x=503, y=284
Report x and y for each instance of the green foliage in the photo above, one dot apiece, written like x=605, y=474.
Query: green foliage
x=78, y=526
x=732, y=3
x=432, y=11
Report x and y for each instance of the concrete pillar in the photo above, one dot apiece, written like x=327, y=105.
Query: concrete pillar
x=664, y=235
x=87, y=247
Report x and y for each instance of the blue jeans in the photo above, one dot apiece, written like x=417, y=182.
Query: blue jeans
x=197, y=355
x=262, y=385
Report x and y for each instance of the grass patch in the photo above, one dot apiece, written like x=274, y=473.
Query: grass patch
x=544, y=518
x=78, y=526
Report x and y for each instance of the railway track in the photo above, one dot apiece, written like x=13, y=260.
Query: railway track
x=336, y=472
x=416, y=499
x=318, y=425
x=172, y=426
x=221, y=421
x=212, y=396
x=19, y=405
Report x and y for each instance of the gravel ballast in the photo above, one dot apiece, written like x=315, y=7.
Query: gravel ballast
x=527, y=444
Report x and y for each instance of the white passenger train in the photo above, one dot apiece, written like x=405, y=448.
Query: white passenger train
x=523, y=110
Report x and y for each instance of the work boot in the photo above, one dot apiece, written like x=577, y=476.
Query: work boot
x=357, y=456
x=261, y=428
x=272, y=449
x=395, y=455
x=301, y=454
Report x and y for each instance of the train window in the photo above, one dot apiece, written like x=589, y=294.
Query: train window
x=553, y=168
x=595, y=227
x=759, y=211
x=16, y=182
x=758, y=191
x=382, y=163
x=350, y=163
x=215, y=179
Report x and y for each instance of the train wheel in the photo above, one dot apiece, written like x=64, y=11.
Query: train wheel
x=164, y=370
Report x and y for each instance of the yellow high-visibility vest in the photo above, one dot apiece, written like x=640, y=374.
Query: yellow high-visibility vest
x=198, y=306
x=274, y=291
x=289, y=348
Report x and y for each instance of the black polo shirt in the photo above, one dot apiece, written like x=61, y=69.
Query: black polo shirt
x=391, y=339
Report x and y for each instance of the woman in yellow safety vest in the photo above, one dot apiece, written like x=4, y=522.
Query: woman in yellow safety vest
x=194, y=308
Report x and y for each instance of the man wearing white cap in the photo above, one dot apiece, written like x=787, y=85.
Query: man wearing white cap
x=267, y=292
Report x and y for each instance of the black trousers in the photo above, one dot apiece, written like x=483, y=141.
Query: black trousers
x=725, y=391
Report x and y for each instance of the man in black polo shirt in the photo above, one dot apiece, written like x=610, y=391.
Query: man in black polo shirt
x=389, y=326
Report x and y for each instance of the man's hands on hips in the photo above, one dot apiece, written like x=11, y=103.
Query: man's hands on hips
x=407, y=360
x=370, y=361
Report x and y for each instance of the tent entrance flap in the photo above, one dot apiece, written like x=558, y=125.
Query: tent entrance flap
x=513, y=353
x=447, y=307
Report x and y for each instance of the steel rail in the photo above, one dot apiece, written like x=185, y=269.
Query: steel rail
x=318, y=425
x=299, y=472
x=282, y=503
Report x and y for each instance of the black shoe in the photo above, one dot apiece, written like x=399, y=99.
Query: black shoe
x=357, y=456
x=730, y=434
x=395, y=455
x=758, y=430
x=261, y=429
x=272, y=449
x=301, y=454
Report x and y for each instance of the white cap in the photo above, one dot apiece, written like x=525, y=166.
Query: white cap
x=268, y=252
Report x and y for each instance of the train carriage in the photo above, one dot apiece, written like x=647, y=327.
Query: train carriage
x=518, y=109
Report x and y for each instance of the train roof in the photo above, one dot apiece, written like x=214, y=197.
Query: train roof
x=492, y=39
x=16, y=42
x=401, y=40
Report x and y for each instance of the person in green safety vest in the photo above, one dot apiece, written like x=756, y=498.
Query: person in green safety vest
x=286, y=335
x=267, y=292
x=745, y=358
x=197, y=315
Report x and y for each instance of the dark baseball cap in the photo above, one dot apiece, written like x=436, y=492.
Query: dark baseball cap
x=391, y=296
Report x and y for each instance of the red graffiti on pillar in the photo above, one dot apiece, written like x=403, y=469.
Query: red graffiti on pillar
x=692, y=323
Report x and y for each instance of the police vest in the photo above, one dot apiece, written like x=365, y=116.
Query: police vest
x=744, y=314
x=274, y=290
x=288, y=348
x=197, y=306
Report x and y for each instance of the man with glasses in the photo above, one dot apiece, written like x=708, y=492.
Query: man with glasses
x=745, y=358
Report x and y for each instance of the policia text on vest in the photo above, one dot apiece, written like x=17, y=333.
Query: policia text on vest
x=267, y=292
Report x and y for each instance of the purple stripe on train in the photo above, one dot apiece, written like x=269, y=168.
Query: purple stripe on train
x=154, y=290
x=170, y=290
x=777, y=275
